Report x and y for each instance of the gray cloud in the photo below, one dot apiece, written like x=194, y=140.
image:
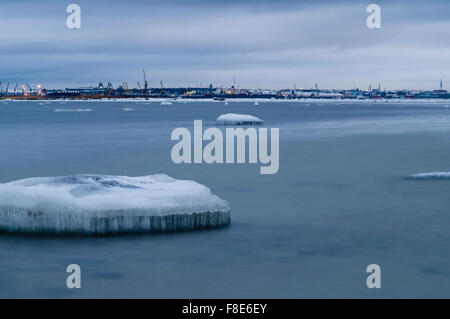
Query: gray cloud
x=262, y=43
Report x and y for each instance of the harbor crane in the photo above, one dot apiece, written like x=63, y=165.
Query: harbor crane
x=7, y=88
x=125, y=88
x=145, y=83
x=162, y=88
x=109, y=88
x=15, y=88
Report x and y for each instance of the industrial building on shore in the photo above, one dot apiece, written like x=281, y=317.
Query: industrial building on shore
x=108, y=91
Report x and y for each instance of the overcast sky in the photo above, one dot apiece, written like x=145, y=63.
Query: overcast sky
x=264, y=44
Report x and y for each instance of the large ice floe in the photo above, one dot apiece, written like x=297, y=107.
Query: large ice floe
x=238, y=119
x=431, y=175
x=101, y=204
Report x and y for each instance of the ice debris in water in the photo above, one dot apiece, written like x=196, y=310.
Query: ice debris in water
x=100, y=204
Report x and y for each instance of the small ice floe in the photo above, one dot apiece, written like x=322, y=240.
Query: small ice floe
x=166, y=103
x=72, y=110
x=127, y=109
x=41, y=103
x=431, y=175
x=256, y=103
x=238, y=119
x=101, y=204
x=226, y=102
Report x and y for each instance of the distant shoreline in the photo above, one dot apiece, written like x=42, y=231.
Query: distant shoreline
x=251, y=100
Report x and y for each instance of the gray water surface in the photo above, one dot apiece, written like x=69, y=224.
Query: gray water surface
x=340, y=201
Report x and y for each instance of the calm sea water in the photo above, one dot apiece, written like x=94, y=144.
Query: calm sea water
x=340, y=201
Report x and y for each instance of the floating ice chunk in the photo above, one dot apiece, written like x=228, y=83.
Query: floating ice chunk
x=100, y=204
x=166, y=103
x=127, y=109
x=238, y=119
x=432, y=175
x=72, y=110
